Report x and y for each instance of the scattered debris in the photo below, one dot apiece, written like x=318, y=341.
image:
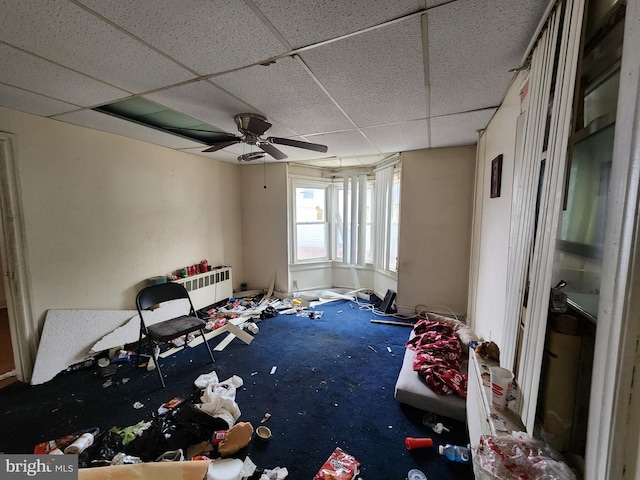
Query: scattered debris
x=371, y=348
x=273, y=370
x=266, y=417
x=138, y=405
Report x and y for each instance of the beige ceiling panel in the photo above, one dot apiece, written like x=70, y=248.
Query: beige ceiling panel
x=206, y=36
x=111, y=124
x=24, y=101
x=36, y=75
x=306, y=23
x=399, y=137
x=288, y=95
x=377, y=77
x=72, y=36
x=345, y=144
x=461, y=129
x=472, y=47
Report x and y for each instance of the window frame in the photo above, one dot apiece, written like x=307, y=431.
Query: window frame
x=301, y=183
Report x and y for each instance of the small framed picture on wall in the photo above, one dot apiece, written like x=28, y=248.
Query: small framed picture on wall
x=496, y=176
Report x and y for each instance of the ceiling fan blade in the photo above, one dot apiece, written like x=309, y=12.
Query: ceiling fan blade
x=271, y=150
x=221, y=145
x=316, y=147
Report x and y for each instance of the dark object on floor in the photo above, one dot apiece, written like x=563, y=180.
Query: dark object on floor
x=170, y=329
x=387, y=303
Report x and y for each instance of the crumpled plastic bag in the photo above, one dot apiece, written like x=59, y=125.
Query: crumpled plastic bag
x=518, y=457
x=218, y=398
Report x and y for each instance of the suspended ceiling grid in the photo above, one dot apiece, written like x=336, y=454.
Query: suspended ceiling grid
x=366, y=78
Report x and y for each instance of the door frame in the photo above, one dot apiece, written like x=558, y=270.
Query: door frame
x=24, y=332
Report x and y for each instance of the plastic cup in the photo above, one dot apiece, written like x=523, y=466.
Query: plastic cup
x=501, y=380
x=413, y=443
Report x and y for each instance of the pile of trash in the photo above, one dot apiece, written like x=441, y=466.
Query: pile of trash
x=201, y=428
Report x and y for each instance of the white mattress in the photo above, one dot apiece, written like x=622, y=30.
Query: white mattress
x=411, y=389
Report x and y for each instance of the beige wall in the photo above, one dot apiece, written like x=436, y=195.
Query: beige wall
x=492, y=220
x=103, y=213
x=264, y=225
x=435, y=228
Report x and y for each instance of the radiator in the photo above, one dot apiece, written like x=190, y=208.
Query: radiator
x=208, y=288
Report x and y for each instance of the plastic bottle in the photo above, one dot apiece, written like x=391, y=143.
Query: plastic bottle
x=83, y=442
x=455, y=453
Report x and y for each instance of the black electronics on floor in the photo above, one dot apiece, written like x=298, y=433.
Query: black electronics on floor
x=387, y=303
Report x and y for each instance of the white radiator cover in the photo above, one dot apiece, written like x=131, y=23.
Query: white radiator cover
x=208, y=288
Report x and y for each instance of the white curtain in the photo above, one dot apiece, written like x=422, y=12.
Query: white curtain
x=384, y=183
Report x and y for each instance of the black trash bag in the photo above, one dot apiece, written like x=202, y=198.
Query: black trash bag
x=104, y=448
x=181, y=427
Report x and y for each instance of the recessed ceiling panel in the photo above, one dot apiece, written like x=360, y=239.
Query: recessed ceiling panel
x=377, y=77
x=71, y=36
x=40, y=76
x=287, y=95
x=399, y=137
x=24, y=101
x=206, y=36
x=461, y=129
x=111, y=124
x=305, y=23
x=345, y=144
x=472, y=47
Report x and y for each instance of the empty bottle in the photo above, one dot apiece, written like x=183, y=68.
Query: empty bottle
x=455, y=453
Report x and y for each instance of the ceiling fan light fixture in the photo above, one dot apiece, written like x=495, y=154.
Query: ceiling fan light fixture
x=248, y=157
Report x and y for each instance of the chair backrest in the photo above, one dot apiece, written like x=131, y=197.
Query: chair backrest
x=164, y=292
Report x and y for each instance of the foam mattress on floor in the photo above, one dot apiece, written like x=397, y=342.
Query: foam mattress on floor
x=411, y=389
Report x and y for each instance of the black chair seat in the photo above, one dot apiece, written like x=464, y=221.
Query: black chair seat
x=174, y=328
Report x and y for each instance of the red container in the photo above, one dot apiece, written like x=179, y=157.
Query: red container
x=413, y=443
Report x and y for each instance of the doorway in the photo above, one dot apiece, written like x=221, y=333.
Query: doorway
x=18, y=331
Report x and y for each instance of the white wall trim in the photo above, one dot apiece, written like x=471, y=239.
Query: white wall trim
x=24, y=331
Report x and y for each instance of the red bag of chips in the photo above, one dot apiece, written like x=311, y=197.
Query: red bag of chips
x=339, y=466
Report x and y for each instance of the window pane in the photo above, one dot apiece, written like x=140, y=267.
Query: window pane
x=311, y=241
x=395, y=222
x=310, y=204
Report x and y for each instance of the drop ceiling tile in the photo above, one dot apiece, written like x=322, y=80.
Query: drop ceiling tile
x=287, y=95
x=460, y=129
x=305, y=23
x=206, y=36
x=71, y=36
x=110, y=124
x=377, y=77
x=345, y=144
x=468, y=69
x=398, y=137
x=24, y=101
x=203, y=101
x=36, y=75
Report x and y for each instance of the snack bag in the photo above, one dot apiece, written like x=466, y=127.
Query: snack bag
x=339, y=466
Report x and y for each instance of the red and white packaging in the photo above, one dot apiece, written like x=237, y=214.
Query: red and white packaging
x=339, y=466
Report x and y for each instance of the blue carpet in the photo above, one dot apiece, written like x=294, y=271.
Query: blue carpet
x=332, y=387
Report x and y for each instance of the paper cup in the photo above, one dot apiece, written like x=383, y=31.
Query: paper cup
x=501, y=380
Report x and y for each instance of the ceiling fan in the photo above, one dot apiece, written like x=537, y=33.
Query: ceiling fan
x=252, y=126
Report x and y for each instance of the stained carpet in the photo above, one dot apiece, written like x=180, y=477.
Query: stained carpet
x=332, y=387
